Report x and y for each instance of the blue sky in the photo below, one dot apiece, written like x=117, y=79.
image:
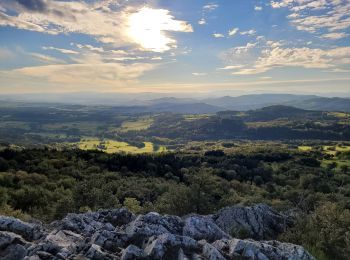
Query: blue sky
x=237, y=46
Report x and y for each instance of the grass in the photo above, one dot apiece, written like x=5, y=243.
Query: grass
x=138, y=125
x=195, y=117
x=112, y=146
x=339, y=114
x=304, y=148
x=331, y=150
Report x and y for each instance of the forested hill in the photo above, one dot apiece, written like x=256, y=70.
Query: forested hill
x=52, y=123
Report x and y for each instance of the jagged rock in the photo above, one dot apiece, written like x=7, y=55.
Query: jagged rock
x=27, y=230
x=166, y=246
x=12, y=246
x=257, y=222
x=153, y=224
x=210, y=252
x=118, y=234
x=95, y=252
x=262, y=250
x=133, y=253
x=88, y=223
x=202, y=227
x=110, y=240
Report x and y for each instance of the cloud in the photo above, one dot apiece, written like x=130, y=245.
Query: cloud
x=198, y=74
x=263, y=56
x=218, y=35
x=318, y=16
x=121, y=26
x=94, y=76
x=233, y=31
x=65, y=51
x=257, y=8
x=46, y=58
x=210, y=7
x=335, y=36
x=202, y=21
x=250, y=32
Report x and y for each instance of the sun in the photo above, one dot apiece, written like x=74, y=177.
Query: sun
x=148, y=27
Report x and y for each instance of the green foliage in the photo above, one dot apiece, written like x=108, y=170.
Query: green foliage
x=325, y=232
x=133, y=205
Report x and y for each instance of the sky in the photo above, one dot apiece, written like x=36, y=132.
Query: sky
x=175, y=46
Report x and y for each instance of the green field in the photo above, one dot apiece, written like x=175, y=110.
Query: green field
x=138, y=125
x=112, y=146
x=330, y=150
x=304, y=148
x=195, y=117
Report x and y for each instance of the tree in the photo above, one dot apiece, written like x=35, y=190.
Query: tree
x=133, y=205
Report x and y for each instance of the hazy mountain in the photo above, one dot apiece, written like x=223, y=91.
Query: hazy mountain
x=155, y=102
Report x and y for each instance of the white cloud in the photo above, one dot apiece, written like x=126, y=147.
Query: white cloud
x=202, y=21
x=250, y=32
x=318, y=16
x=199, y=74
x=94, y=76
x=65, y=51
x=233, y=31
x=218, y=35
x=335, y=36
x=257, y=8
x=46, y=58
x=210, y=7
x=264, y=56
x=120, y=26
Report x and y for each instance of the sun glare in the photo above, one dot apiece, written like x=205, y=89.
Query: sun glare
x=147, y=28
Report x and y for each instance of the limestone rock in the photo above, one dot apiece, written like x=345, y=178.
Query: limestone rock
x=27, y=230
x=202, y=227
x=257, y=222
x=118, y=234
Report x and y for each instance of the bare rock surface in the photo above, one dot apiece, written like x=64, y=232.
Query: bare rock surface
x=119, y=234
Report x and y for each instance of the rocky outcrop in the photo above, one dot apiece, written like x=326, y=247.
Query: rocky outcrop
x=257, y=222
x=119, y=234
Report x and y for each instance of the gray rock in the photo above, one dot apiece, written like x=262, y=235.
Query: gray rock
x=262, y=250
x=202, y=227
x=167, y=246
x=210, y=252
x=12, y=246
x=27, y=230
x=95, y=252
x=153, y=224
x=88, y=223
x=133, y=253
x=257, y=222
x=110, y=240
x=118, y=234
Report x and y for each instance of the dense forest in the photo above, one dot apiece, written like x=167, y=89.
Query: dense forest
x=48, y=183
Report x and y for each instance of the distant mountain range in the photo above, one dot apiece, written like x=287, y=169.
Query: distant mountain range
x=150, y=103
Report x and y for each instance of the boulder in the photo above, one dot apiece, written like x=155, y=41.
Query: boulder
x=26, y=230
x=167, y=246
x=261, y=250
x=133, y=253
x=153, y=224
x=12, y=246
x=202, y=227
x=257, y=222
